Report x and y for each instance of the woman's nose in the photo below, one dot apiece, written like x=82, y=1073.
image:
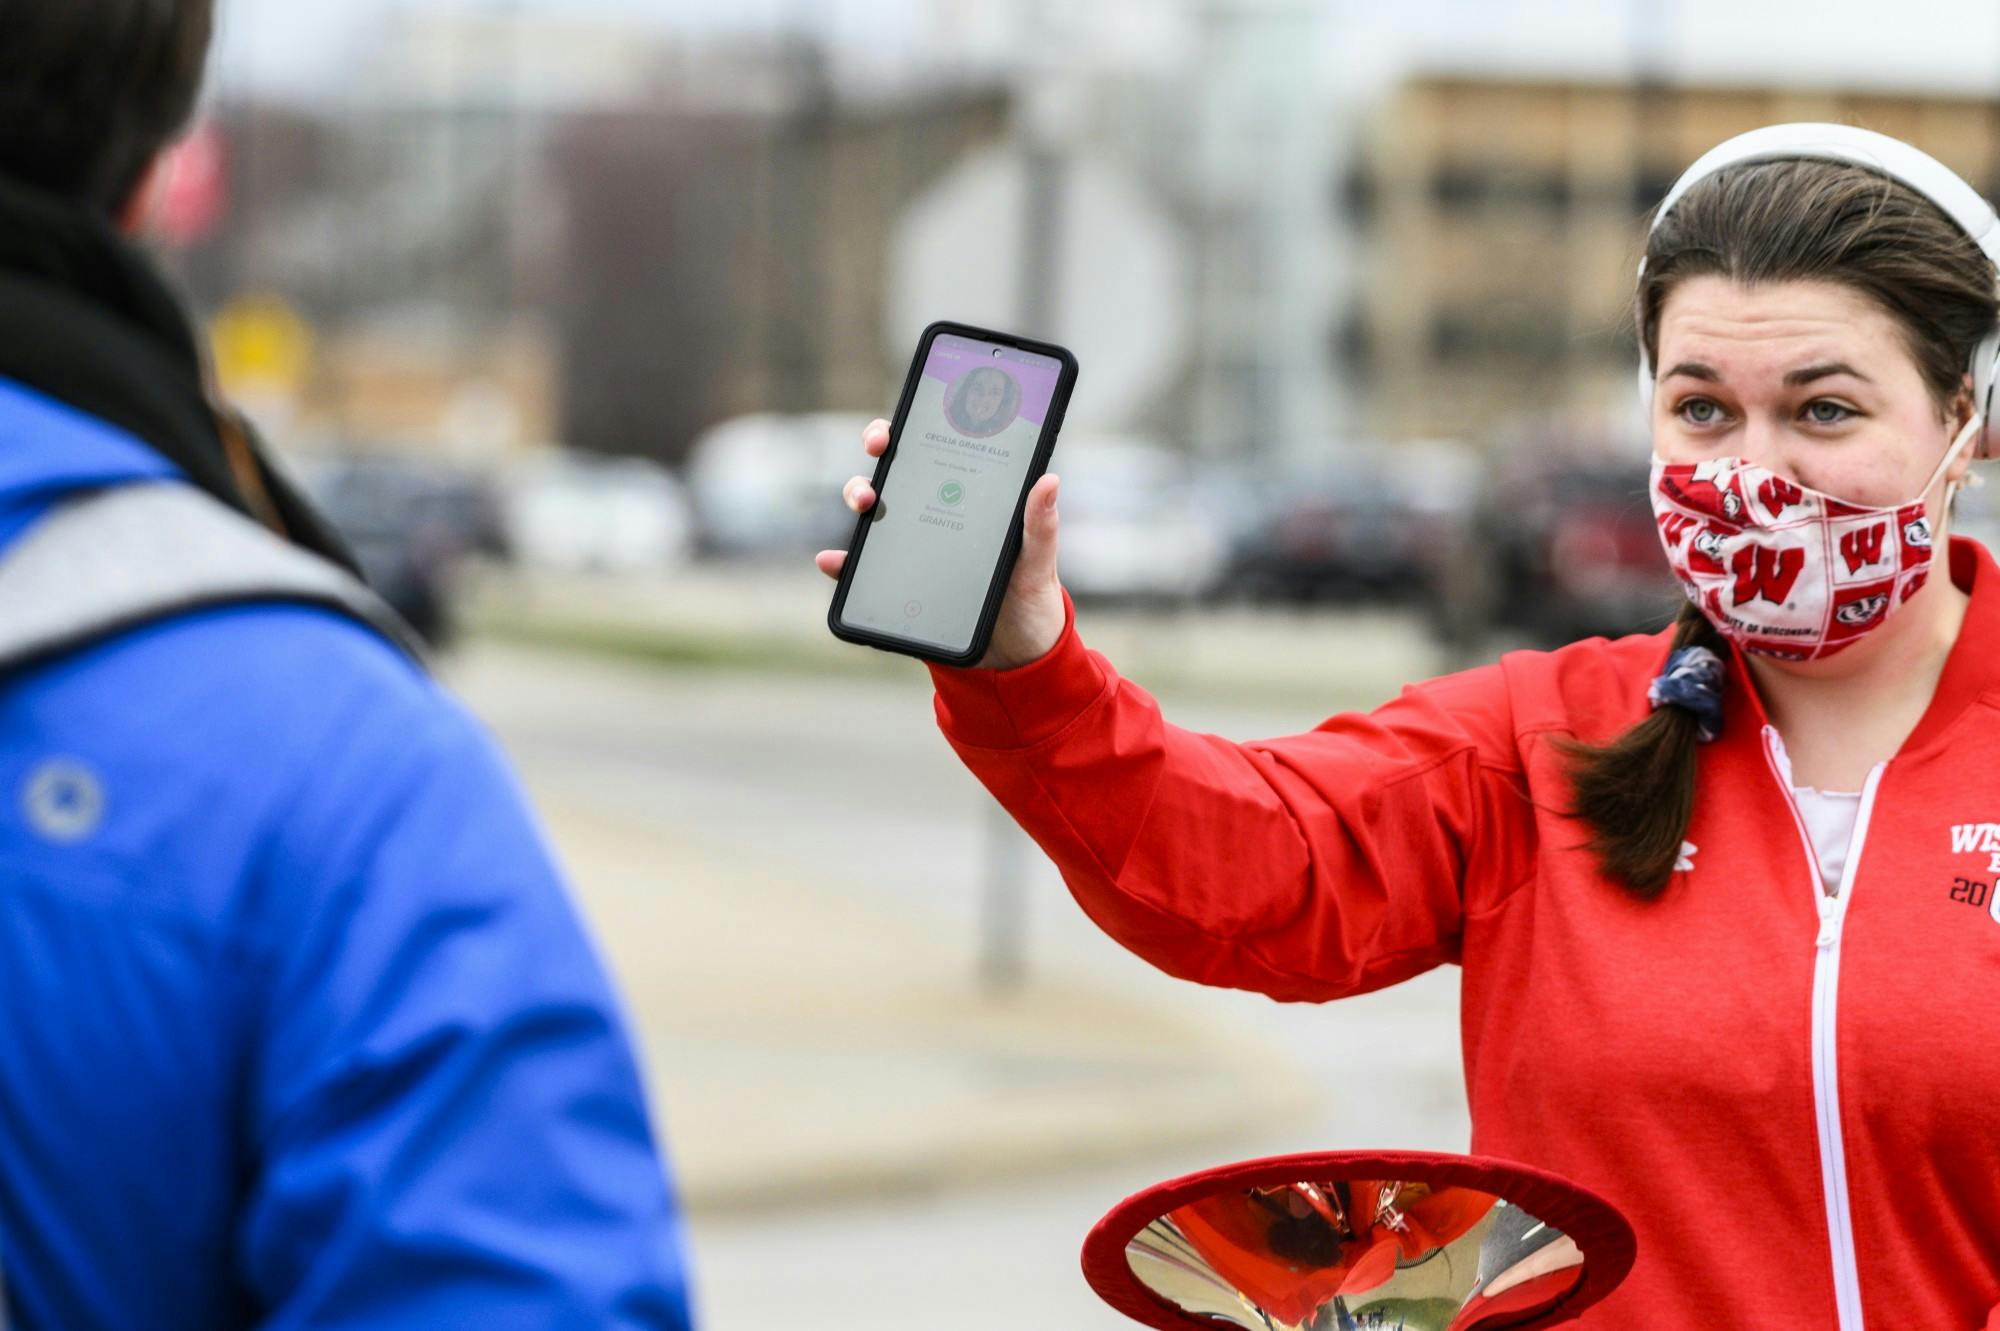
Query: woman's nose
x=1763, y=445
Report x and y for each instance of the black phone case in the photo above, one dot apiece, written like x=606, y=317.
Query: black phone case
x=982, y=634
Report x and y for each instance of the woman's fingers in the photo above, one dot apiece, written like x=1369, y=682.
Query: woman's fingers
x=858, y=494
x=1037, y=564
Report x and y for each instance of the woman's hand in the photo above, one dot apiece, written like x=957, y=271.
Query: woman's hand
x=1031, y=611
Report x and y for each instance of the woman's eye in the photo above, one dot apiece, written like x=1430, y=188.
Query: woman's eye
x=1823, y=411
x=1699, y=411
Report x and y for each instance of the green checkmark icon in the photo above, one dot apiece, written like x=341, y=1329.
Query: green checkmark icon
x=951, y=492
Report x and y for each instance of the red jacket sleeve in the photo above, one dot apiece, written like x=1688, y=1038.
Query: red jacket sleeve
x=1306, y=867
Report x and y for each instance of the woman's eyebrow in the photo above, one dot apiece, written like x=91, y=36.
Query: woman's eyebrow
x=1694, y=369
x=1812, y=372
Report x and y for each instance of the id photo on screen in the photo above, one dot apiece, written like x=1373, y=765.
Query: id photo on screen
x=984, y=401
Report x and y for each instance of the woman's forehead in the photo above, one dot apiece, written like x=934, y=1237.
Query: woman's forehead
x=1725, y=323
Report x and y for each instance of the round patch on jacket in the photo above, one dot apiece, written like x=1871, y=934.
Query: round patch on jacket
x=63, y=800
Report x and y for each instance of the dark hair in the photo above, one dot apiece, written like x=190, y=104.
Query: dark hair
x=1637, y=792
x=1762, y=222
x=91, y=90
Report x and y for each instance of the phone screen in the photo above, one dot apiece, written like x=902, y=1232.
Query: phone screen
x=966, y=447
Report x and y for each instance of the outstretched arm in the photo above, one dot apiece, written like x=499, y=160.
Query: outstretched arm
x=1307, y=867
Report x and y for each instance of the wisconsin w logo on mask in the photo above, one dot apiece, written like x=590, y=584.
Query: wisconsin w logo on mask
x=1779, y=494
x=1764, y=574
x=1862, y=548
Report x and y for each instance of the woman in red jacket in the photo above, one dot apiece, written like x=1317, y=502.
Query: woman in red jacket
x=1718, y=892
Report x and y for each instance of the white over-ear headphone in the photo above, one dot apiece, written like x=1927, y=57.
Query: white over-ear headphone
x=1893, y=158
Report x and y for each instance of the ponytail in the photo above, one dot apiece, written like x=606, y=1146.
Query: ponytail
x=1636, y=793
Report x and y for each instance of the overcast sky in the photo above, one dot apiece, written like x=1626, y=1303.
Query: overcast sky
x=1943, y=44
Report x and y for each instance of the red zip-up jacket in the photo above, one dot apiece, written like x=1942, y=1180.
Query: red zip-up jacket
x=1795, y=1100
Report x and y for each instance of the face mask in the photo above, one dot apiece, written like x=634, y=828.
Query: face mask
x=1784, y=571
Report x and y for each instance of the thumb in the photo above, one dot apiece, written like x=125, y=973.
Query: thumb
x=1038, y=532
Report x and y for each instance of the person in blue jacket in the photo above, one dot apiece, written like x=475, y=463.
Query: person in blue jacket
x=298, y=1027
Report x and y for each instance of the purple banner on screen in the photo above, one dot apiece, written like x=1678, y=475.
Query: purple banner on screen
x=1028, y=385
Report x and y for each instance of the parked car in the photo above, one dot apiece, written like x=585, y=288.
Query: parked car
x=1350, y=521
x=768, y=485
x=409, y=523
x=1134, y=524
x=581, y=512
x=1562, y=547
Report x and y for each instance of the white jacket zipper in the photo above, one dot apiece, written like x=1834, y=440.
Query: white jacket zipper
x=1826, y=989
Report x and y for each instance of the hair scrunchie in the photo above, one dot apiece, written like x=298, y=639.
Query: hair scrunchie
x=1692, y=680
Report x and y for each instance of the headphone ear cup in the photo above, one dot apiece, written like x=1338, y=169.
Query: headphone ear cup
x=1985, y=370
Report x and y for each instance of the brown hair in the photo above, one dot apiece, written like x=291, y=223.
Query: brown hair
x=1780, y=221
x=90, y=90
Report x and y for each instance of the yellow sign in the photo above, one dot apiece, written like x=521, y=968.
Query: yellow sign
x=262, y=346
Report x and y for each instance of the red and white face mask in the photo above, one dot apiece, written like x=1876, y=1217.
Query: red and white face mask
x=1785, y=571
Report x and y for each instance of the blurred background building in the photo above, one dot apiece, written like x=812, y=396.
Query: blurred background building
x=1333, y=212
x=1499, y=221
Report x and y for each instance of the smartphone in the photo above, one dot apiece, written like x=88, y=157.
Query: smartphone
x=973, y=431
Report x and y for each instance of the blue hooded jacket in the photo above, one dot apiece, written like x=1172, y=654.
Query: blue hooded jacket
x=298, y=1027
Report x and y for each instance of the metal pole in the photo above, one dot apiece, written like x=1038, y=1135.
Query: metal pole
x=1041, y=230
x=1003, y=916
x=1003, y=912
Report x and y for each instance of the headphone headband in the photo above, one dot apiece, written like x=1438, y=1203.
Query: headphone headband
x=1893, y=158
x=1860, y=147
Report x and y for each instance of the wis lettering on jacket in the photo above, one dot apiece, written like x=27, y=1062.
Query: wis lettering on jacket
x=1977, y=839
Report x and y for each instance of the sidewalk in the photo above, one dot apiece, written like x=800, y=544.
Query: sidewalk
x=791, y=1064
